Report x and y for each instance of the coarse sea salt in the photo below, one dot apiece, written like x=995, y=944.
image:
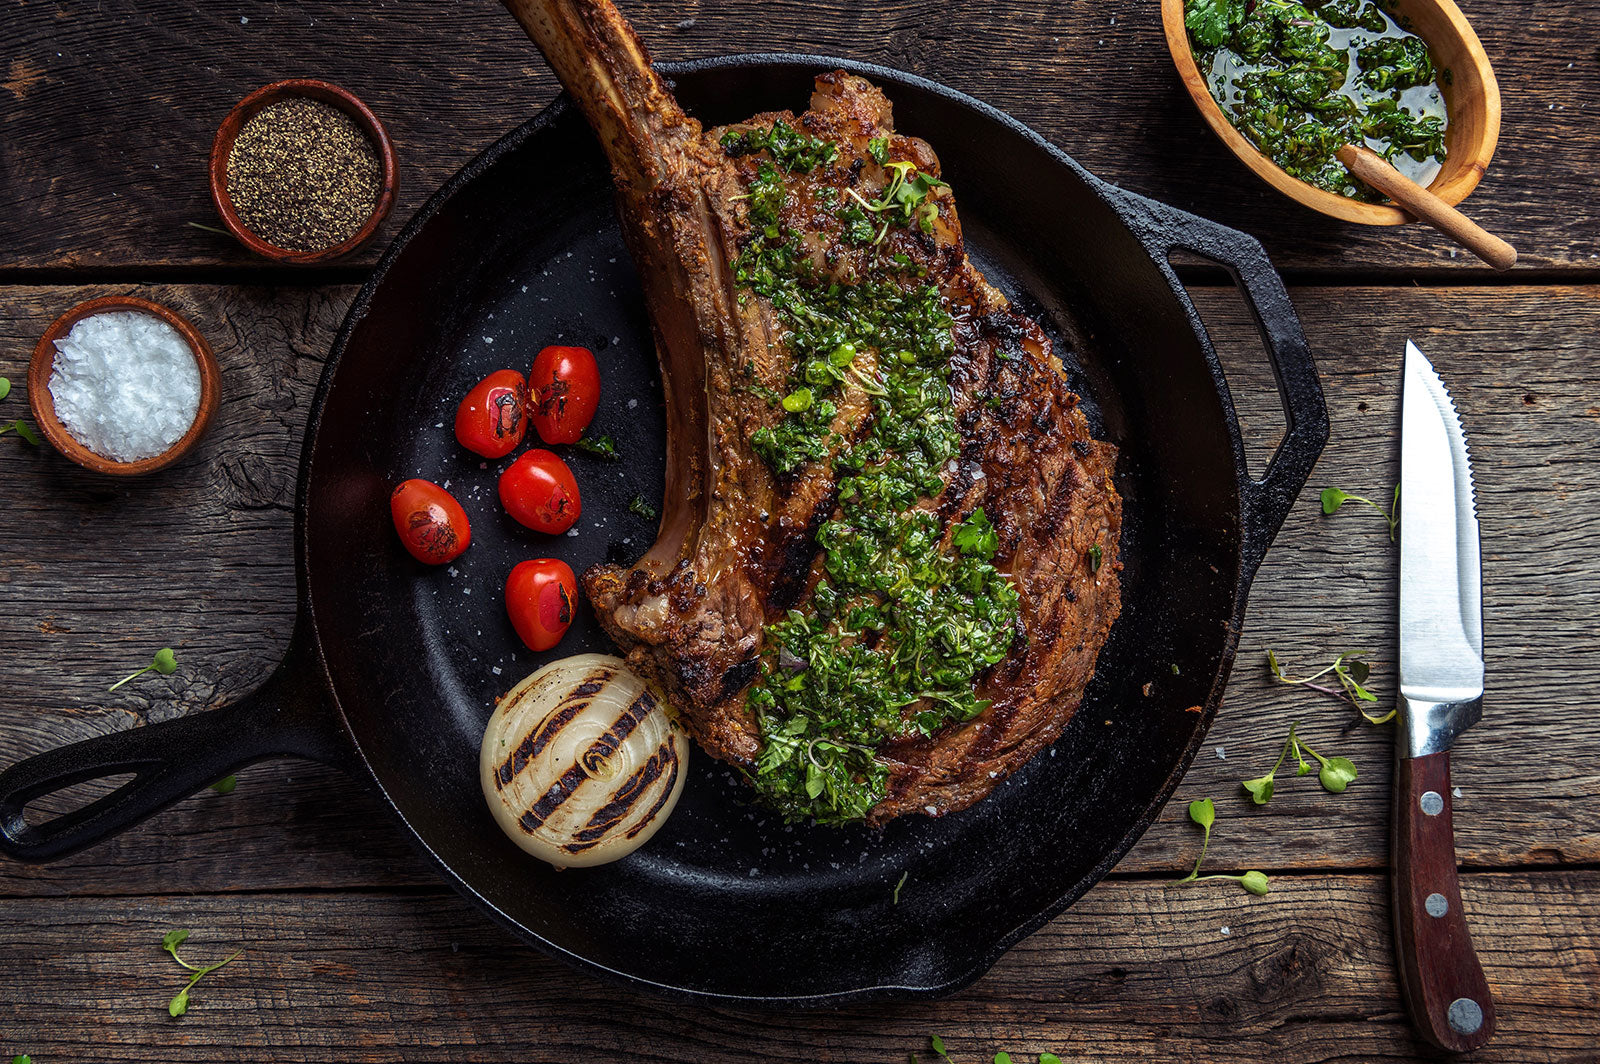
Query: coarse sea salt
x=125, y=384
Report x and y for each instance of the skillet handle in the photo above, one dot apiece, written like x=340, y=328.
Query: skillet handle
x=286, y=716
x=1267, y=501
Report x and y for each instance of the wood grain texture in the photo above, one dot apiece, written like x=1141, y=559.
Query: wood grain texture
x=95, y=575
x=110, y=109
x=1136, y=971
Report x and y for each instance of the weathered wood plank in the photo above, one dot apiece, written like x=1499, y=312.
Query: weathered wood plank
x=94, y=575
x=111, y=109
x=1136, y=971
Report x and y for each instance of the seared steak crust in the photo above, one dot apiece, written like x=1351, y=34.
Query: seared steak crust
x=738, y=542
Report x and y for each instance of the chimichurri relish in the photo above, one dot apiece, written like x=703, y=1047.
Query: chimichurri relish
x=1303, y=79
x=904, y=614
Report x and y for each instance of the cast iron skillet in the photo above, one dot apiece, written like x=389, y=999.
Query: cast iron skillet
x=394, y=667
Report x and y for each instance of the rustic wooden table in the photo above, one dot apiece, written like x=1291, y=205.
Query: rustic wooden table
x=354, y=951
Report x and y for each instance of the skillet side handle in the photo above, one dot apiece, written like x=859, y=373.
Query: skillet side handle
x=286, y=716
x=1266, y=502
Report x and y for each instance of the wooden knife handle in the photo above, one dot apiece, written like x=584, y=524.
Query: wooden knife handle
x=1439, y=970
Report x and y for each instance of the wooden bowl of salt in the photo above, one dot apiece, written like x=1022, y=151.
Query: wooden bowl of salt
x=126, y=385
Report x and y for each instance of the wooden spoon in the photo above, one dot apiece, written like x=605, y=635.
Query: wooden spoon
x=1372, y=168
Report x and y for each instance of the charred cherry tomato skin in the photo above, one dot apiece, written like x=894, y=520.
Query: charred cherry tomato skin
x=539, y=491
x=431, y=524
x=541, y=600
x=563, y=393
x=492, y=419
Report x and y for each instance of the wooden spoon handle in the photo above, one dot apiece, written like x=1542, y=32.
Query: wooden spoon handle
x=1372, y=168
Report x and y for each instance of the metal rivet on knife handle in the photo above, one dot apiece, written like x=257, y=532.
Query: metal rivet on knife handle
x=1465, y=1015
x=1432, y=803
x=1436, y=904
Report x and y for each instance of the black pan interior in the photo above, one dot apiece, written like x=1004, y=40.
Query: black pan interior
x=523, y=250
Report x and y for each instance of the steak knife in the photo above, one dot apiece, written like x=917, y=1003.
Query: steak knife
x=1441, y=696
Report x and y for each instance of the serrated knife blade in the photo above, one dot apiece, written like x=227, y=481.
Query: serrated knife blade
x=1441, y=605
x=1440, y=696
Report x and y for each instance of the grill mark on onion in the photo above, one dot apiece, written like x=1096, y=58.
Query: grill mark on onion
x=623, y=800
x=666, y=791
x=598, y=751
x=536, y=741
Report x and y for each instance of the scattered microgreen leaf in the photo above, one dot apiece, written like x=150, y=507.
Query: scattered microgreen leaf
x=208, y=228
x=903, y=877
x=1002, y=1058
x=1204, y=812
x=165, y=662
x=1337, y=772
x=1333, y=498
x=20, y=1058
x=938, y=1047
x=600, y=446
x=637, y=505
x=225, y=785
x=22, y=429
x=5, y=387
x=1350, y=669
x=1260, y=788
x=170, y=942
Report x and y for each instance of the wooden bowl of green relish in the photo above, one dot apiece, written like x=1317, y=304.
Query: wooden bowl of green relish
x=1284, y=83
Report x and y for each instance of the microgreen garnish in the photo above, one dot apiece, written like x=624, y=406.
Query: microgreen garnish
x=1095, y=556
x=165, y=662
x=938, y=1047
x=906, y=193
x=170, y=942
x=600, y=446
x=1337, y=772
x=999, y=1058
x=903, y=877
x=225, y=785
x=1204, y=813
x=22, y=429
x=637, y=505
x=21, y=1058
x=1333, y=498
x=5, y=387
x=878, y=148
x=1351, y=672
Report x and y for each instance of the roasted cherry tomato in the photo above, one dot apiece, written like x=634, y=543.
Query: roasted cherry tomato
x=493, y=417
x=541, y=600
x=432, y=525
x=539, y=491
x=563, y=393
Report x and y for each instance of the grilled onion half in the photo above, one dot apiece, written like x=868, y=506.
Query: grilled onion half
x=581, y=762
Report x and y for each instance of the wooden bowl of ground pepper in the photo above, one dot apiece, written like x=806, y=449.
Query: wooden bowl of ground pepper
x=302, y=172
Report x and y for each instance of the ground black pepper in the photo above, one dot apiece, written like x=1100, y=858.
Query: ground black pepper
x=302, y=175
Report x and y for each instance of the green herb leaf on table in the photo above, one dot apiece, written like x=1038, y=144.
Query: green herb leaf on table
x=903, y=877
x=1002, y=1058
x=165, y=662
x=1333, y=499
x=1261, y=788
x=170, y=942
x=1049, y=1058
x=23, y=430
x=1203, y=811
x=1350, y=670
x=21, y=1058
x=5, y=387
x=226, y=785
x=938, y=1046
x=1337, y=772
